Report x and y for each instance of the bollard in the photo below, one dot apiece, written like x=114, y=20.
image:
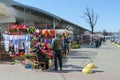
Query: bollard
x=91, y=65
x=87, y=70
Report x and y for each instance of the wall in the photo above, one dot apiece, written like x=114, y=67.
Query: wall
x=3, y=27
x=19, y=14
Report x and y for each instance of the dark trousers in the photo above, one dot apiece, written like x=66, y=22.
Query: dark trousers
x=58, y=56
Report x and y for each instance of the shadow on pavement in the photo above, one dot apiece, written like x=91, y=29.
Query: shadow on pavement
x=87, y=46
x=78, y=57
x=68, y=68
x=69, y=71
x=72, y=66
x=97, y=71
x=65, y=71
x=74, y=70
x=82, y=54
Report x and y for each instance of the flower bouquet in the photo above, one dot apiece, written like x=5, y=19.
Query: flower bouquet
x=15, y=29
x=28, y=56
x=31, y=29
x=23, y=29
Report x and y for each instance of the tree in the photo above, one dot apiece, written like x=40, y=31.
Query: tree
x=91, y=18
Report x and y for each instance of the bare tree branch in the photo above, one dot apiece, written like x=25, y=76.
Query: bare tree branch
x=95, y=20
x=91, y=18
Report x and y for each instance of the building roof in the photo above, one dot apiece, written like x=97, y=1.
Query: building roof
x=37, y=11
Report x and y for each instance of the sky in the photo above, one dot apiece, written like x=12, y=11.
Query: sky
x=108, y=11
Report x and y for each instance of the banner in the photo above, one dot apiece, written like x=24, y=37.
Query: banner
x=27, y=44
x=6, y=42
x=16, y=44
x=19, y=42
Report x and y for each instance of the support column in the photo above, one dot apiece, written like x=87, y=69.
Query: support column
x=24, y=18
x=54, y=23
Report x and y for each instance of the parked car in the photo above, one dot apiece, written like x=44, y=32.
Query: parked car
x=117, y=40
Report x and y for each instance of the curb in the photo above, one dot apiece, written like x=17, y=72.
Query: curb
x=117, y=45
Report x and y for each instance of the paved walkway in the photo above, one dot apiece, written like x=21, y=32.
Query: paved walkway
x=106, y=58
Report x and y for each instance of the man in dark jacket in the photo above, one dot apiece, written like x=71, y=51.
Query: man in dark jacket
x=57, y=47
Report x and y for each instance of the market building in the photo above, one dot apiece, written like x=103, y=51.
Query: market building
x=27, y=30
x=12, y=12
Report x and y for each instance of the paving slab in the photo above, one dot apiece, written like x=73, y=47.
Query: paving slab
x=106, y=58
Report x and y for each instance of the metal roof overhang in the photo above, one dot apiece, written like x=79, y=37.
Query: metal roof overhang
x=77, y=26
x=35, y=11
x=40, y=12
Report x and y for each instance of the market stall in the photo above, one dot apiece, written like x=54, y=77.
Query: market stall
x=17, y=41
x=23, y=42
x=43, y=40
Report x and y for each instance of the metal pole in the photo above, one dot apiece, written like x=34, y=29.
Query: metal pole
x=54, y=23
x=24, y=17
